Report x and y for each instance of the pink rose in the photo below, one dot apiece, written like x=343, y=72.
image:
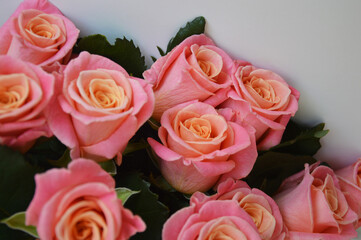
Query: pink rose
x=264, y=100
x=262, y=208
x=37, y=32
x=199, y=146
x=25, y=92
x=215, y=219
x=193, y=70
x=313, y=206
x=80, y=203
x=350, y=182
x=100, y=108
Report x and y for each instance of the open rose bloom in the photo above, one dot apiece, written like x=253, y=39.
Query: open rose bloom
x=25, y=92
x=214, y=219
x=261, y=207
x=313, y=206
x=194, y=70
x=100, y=108
x=37, y=32
x=80, y=203
x=264, y=100
x=350, y=182
x=199, y=147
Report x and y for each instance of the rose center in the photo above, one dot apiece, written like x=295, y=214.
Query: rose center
x=41, y=27
x=14, y=91
x=82, y=220
x=226, y=232
x=199, y=126
x=262, y=88
x=105, y=93
x=210, y=62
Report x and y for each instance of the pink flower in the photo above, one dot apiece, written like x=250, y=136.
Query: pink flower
x=193, y=70
x=25, y=91
x=100, y=108
x=199, y=146
x=313, y=206
x=80, y=203
x=350, y=182
x=264, y=100
x=37, y=32
x=215, y=219
x=262, y=208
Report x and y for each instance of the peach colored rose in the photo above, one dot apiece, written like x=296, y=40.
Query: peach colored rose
x=199, y=147
x=37, y=32
x=100, y=108
x=264, y=100
x=350, y=182
x=215, y=219
x=25, y=92
x=313, y=206
x=194, y=70
x=80, y=203
x=261, y=207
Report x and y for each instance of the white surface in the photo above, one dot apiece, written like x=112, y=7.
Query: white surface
x=314, y=45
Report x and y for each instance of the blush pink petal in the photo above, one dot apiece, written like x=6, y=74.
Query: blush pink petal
x=163, y=152
x=130, y=224
x=300, y=197
x=78, y=172
x=173, y=226
x=160, y=66
x=185, y=178
x=244, y=159
x=106, y=148
x=61, y=125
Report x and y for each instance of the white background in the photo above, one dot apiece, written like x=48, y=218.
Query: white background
x=314, y=45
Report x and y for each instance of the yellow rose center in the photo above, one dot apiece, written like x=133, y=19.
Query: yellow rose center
x=329, y=191
x=82, y=220
x=226, y=232
x=14, y=91
x=105, y=93
x=199, y=126
x=262, y=88
x=210, y=62
x=41, y=27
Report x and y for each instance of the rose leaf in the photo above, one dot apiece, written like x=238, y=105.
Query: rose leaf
x=123, y=52
x=145, y=204
x=196, y=26
x=17, y=221
x=124, y=193
x=301, y=140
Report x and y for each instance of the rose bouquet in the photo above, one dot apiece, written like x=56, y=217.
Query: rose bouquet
x=95, y=145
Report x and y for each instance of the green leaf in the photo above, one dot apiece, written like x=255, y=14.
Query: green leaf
x=123, y=52
x=132, y=147
x=301, y=140
x=63, y=161
x=161, y=52
x=17, y=186
x=272, y=168
x=124, y=193
x=145, y=204
x=196, y=26
x=109, y=167
x=17, y=221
